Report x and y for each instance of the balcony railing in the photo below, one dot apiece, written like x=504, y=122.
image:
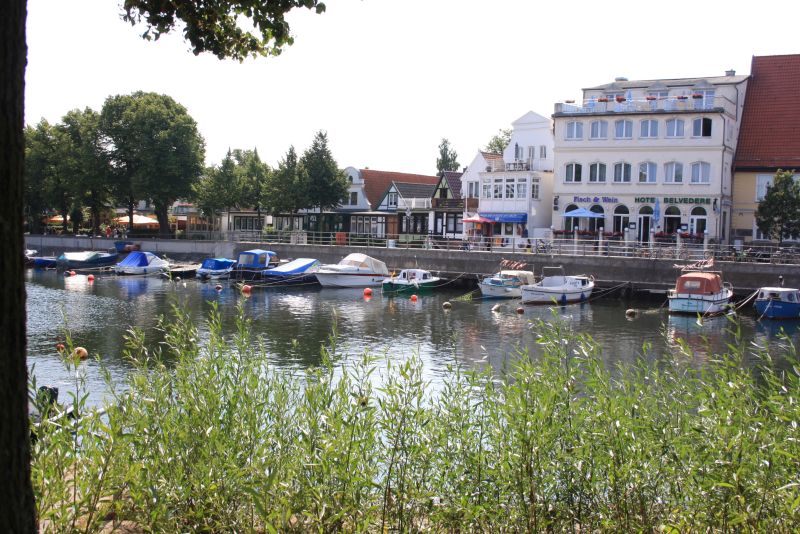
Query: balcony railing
x=448, y=203
x=646, y=105
x=520, y=165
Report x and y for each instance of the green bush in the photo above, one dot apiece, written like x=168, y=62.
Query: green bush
x=207, y=436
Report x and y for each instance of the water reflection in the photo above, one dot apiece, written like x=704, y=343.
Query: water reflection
x=294, y=323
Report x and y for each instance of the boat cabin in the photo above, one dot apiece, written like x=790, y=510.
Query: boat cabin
x=783, y=294
x=414, y=275
x=257, y=259
x=217, y=264
x=699, y=283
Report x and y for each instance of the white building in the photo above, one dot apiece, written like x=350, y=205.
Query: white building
x=652, y=156
x=515, y=191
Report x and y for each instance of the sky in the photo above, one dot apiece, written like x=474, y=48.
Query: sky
x=388, y=79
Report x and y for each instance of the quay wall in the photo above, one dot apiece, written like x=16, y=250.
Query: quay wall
x=640, y=274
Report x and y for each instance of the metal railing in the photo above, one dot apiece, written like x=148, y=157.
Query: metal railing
x=646, y=105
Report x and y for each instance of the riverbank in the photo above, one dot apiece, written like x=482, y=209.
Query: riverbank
x=637, y=276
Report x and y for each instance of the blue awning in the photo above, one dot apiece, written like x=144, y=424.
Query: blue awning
x=506, y=217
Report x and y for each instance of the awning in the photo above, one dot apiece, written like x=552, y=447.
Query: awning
x=506, y=217
x=477, y=219
x=583, y=212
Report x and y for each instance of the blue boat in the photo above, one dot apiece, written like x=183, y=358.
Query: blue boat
x=89, y=259
x=778, y=303
x=45, y=262
x=252, y=263
x=295, y=272
x=142, y=263
x=215, y=268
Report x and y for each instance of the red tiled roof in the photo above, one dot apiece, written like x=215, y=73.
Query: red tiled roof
x=769, y=135
x=377, y=182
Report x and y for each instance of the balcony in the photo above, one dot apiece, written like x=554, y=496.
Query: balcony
x=455, y=204
x=520, y=165
x=672, y=104
x=413, y=203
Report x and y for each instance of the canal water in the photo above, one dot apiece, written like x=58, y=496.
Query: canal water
x=293, y=324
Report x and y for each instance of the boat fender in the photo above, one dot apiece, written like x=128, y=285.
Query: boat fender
x=446, y=305
x=367, y=292
x=80, y=353
x=413, y=298
x=90, y=278
x=520, y=310
x=218, y=287
x=630, y=312
x=177, y=278
x=246, y=289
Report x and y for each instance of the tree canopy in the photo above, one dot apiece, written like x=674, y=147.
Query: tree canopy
x=778, y=214
x=286, y=188
x=498, y=143
x=216, y=25
x=326, y=184
x=448, y=158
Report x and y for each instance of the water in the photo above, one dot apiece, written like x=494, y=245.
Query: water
x=293, y=323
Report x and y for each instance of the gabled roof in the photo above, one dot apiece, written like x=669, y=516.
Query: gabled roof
x=453, y=180
x=769, y=134
x=407, y=190
x=491, y=156
x=377, y=182
x=623, y=85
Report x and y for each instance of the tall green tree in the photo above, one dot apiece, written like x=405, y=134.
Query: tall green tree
x=498, y=143
x=778, y=215
x=286, y=190
x=326, y=184
x=37, y=164
x=219, y=189
x=253, y=175
x=448, y=158
x=155, y=149
x=209, y=25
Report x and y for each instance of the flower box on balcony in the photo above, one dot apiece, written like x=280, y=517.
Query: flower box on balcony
x=586, y=233
x=562, y=233
x=620, y=99
x=650, y=98
x=602, y=99
x=682, y=97
x=569, y=101
x=697, y=95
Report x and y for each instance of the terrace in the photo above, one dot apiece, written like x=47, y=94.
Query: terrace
x=649, y=104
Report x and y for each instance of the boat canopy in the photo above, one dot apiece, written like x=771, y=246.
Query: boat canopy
x=698, y=284
x=138, y=259
x=217, y=264
x=256, y=258
x=526, y=277
x=79, y=256
x=365, y=262
x=298, y=266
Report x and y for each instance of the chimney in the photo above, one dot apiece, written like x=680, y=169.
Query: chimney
x=730, y=72
x=620, y=79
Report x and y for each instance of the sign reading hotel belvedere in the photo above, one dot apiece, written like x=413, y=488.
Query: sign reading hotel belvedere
x=597, y=200
x=674, y=200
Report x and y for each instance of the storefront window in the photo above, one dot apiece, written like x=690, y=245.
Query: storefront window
x=672, y=219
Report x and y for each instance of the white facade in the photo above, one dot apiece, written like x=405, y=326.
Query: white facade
x=517, y=190
x=652, y=156
x=356, y=196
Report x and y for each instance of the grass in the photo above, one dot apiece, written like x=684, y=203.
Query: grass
x=219, y=441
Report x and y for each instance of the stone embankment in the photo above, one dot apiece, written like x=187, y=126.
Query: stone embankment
x=640, y=275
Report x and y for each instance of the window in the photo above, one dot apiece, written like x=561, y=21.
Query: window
x=675, y=128
x=672, y=219
x=510, y=190
x=472, y=189
x=598, y=130
x=647, y=173
x=531, y=153
x=353, y=198
x=543, y=152
x=613, y=96
x=487, y=189
x=649, y=128
x=574, y=130
x=706, y=101
x=621, y=218
x=597, y=172
x=573, y=172
x=453, y=222
x=701, y=172
x=522, y=188
x=622, y=172
x=701, y=127
x=661, y=95
x=673, y=172
x=623, y=129
x=498, y=188
x=762, y=182
x=535, y=190
x=391, y=200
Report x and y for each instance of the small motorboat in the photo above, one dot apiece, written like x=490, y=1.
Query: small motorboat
x=295, y=272
x=700, y=292
x=215, y=268
x=142, y=263
x=88, y=259
x=354, y=270
x=411, y=281
x=778, y=303
x=556, y=287
x=44, y=262
x=505, y=284
x=252, y=263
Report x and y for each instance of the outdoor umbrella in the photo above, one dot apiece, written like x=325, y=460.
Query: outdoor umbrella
x=583, y=212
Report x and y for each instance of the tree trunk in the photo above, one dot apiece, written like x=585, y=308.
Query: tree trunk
x=131, y=204
x=17, y=507
x=163, y=221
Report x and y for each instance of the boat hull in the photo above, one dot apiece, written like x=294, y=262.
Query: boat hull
x=700, y=304
x=209, y=274
x=140, y=271
x=777, y=309
x=350, y=279
x=289, y=280
x=555, y=295
x=405, y=287
x=500, y=291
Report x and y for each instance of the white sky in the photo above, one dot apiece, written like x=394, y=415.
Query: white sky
x=387, y=79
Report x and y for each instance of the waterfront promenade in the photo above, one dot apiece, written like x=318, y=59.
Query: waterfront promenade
x=640, y=274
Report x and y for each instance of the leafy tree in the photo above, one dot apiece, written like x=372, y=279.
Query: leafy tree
x=326, y=184
x=778, y=215
x=253, y=175
x=448, y=158
x=210, y=25
x=155, y=149
x=498, y=143
x=218, y=189
x=286, y=190
x=37, y=168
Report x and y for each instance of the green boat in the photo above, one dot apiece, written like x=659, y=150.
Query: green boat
x=411, y=281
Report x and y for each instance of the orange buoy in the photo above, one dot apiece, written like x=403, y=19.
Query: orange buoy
x=218, y=287
x=246, y=289
x=72, y=273
x=60, y=347
x=413, y=298
x=80, y=353
x=90, y=278
x=520, y=310
x=367, y=292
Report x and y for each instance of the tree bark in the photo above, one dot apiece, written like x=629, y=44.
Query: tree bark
x=163, y=221
x=17, y=507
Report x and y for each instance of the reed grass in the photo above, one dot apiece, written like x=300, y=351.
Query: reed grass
x=218, y=440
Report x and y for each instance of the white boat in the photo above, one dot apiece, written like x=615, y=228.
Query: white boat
x=505, y=284
x=700, y=292
x=355, y=270
x=142, y=263
x=215, y=268
x=411, y=281
x=556, y=287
